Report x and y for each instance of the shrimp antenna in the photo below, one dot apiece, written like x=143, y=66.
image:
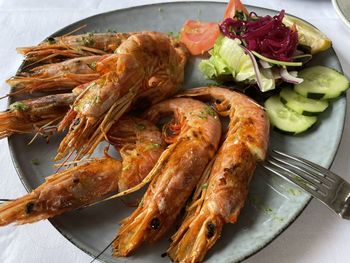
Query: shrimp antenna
x=5, y=96
x=104, y=250
x=5, y=200
x=38, y=61
x=75, y=30
x=64, y=162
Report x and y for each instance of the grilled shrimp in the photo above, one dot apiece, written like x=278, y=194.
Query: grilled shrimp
x=194, y=134
x=35, y=114
x=57, y=76
x=147, y=66
x=140, y=144
x=227, y=187
x=60, y=48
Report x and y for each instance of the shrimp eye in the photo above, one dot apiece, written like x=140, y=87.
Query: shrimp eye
x=76, y=122
x=210, y=230
x=167, y=131
x=76, y=180
x=29, y=207
x=155, y=223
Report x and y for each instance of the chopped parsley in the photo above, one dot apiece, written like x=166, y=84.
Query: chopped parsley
x=153, y=146
x=92, y=65
x=175, y=35
x=127, y=167
x=35, y=161
x=208, y=111
x=202, y=115
x=141, y=203
x=204, y=186
x=294, y=191
x=140, y=126
x=88, y=40
x=111, y=30
x=97, y=100
x=20, y=106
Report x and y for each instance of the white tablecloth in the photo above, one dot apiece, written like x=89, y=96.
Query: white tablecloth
x=317, y=235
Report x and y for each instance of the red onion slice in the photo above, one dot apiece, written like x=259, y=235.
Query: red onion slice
x=288, y=77
x=255, y=66
x=264, y=64
x=266, y=35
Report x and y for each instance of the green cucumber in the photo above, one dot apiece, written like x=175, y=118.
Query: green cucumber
x=301, y=104
x=321, y=83
x=285, y=119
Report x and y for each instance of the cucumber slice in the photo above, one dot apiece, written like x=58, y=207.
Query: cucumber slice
x=301, y=104
x=285, y=119
x=321, y=83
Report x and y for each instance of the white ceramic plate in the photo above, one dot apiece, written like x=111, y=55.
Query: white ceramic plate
x=342, y=7
x=273, y=203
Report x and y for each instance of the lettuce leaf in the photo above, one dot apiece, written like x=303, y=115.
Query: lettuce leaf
x=227, y=58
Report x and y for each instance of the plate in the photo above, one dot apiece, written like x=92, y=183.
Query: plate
x=273, y=203
x=342, y=7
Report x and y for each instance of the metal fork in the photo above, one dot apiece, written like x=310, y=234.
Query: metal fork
x=329, y=188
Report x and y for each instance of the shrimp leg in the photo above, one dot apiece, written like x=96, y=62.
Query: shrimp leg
x=91, y=181
x=194, y=135
x=227, y=186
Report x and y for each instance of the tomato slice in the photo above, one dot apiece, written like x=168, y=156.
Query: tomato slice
x=198, y=36
x=233, y=6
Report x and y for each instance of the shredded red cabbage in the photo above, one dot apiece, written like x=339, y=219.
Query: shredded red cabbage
x=266, y=35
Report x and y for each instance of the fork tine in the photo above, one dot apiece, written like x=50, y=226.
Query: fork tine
x=289, y=169
x=321, y=170
x=294, y=179
x=304, y=170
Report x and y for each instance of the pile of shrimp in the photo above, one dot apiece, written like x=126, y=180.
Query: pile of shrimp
x=118, y=88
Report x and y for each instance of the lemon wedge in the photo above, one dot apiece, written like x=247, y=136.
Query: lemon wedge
x=309, y=35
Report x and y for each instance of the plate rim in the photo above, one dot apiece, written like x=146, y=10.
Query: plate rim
x=254, y=251
x=340, y=13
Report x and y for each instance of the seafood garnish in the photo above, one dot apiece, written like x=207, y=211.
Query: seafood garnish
x=88, y=182
x=194, y=134
x=144, y=62
x=226, y=188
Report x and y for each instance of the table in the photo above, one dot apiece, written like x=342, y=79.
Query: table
x=316, y=236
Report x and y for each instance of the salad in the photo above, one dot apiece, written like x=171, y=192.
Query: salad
x=268, y=53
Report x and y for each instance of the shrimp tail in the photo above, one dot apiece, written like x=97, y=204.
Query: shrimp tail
x=195, y=237
x=64, y=191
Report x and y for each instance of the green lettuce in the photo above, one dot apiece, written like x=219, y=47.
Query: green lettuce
x=228, y=59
